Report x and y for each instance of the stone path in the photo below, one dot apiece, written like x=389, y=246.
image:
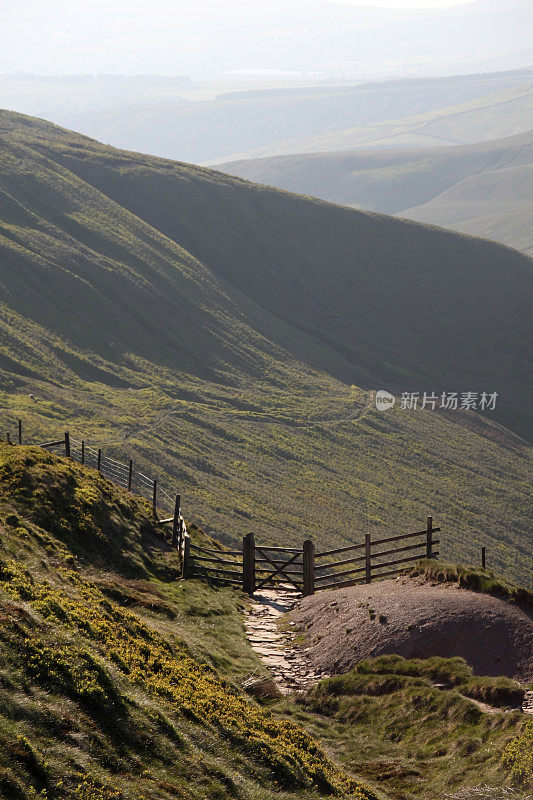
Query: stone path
x=286, y=661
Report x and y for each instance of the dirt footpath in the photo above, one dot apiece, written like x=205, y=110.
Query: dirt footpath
x=416, y=620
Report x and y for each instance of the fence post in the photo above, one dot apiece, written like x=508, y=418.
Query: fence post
x=20, y=431
x=368, y=559
x=67, y=444
x=99, y=463
x=186, y=559
x=309, y=568
x=180, y=532
x=429, y=538
x=130, y=475
x=154, y=499
x=175, y=521
x=483, y=558
x=82, y=451
x=248, y=563
x=8, y=438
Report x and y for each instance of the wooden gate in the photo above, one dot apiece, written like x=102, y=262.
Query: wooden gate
x=303, y=570
x=268, y=566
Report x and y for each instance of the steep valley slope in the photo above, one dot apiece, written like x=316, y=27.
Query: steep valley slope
x=106, y=694
x=482, y=188
x=217, y=332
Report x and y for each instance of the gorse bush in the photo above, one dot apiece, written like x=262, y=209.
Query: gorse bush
x=72, y=669
x=173, y=675
x=518, y=757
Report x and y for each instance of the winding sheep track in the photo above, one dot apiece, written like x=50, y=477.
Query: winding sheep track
x=263, y=419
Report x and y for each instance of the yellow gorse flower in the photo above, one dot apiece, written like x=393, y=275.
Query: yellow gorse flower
x=171, y=673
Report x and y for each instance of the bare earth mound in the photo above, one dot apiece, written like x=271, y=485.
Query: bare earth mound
x=416, y=620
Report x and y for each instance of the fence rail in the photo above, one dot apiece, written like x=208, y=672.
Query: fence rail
x=258, y=566
x=370, y=565
x=122, y=474
x=261, y=566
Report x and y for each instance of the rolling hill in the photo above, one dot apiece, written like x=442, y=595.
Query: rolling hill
x=217, y=332
x=489, y=116
x=483, y=189
x=409, y=112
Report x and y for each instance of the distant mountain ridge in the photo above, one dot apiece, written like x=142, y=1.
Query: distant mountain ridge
x=425, y=111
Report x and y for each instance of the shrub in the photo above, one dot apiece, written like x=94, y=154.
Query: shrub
x=171, y=674
x=518, y=758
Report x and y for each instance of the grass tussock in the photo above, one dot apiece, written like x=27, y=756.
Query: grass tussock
x=473, y=578
x=409, y=725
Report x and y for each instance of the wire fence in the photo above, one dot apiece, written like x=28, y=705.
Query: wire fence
x=123, y=474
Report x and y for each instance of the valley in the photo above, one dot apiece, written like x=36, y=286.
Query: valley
x=482, y=189
x=183, y=318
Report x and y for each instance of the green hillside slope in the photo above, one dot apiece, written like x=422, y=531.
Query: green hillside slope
x=118, y=681
x=497, y=204
x=489, y=116
x=483, y=189
x=105, y=702
x=213, y=329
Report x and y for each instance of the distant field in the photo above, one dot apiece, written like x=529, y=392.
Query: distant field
x=487, y=116
x=424, y=111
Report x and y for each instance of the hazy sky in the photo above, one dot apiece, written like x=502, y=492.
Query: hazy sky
x=210, y=38
x=402, y=3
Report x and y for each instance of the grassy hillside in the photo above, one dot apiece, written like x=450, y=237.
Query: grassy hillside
x=101, y=701
x=119, y=682
x=386, y=719
x=497, y=204
x=239, y=124
x=493, y=115
x=483, y=188
x=213, y=330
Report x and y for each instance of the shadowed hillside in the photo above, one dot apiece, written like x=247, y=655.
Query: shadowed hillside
x=483, y=189
x=215, y=330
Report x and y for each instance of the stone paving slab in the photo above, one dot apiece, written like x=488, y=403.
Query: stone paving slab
x=287, y=662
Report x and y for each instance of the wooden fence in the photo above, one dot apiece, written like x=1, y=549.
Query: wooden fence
x=260, y=566
x=123, y=474
x=305, y=570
